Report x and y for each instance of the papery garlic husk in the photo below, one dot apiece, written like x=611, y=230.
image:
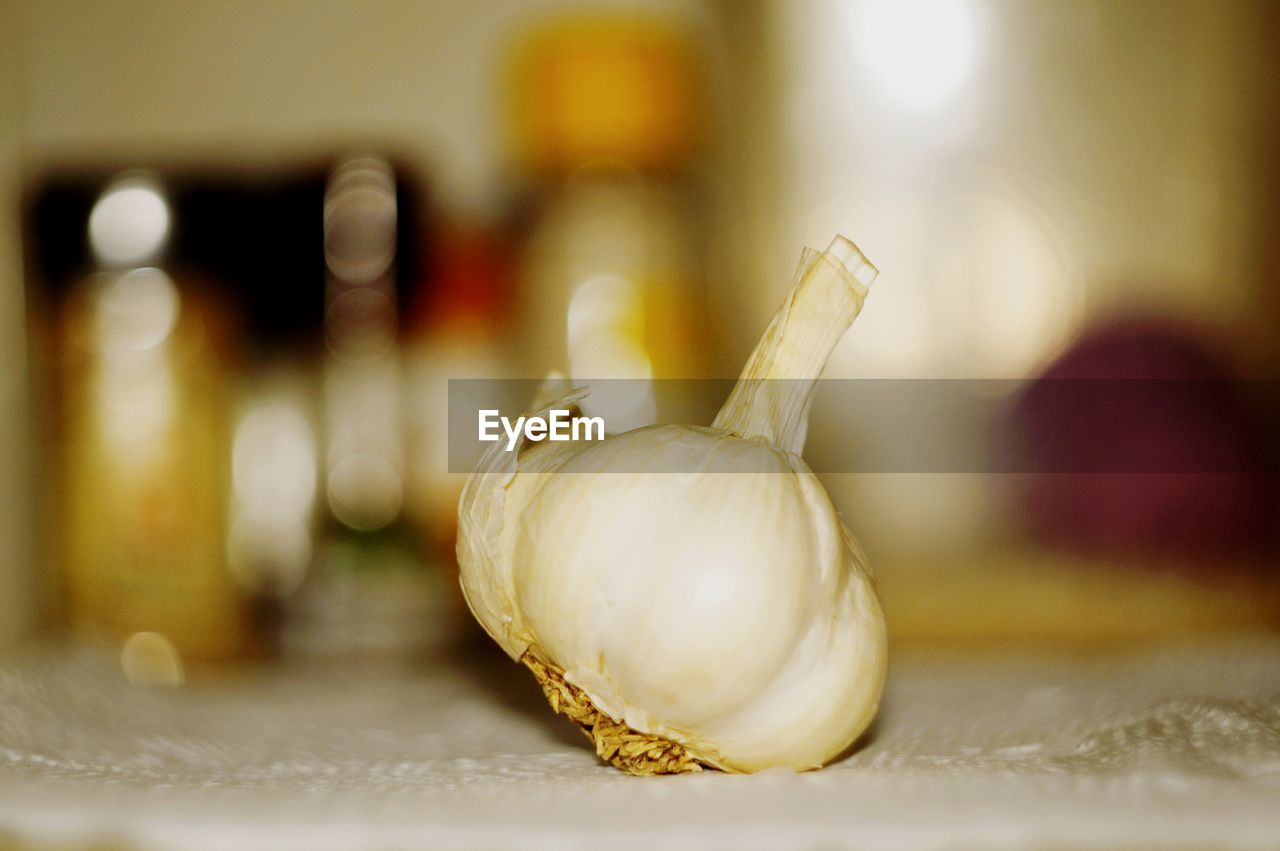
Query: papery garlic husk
x=689, y=595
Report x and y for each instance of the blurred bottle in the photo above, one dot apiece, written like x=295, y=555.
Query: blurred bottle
x=369, y=590
x=274, y=473
x=458, y=332
x=144, y=390
x=605, y=124
x=365, y=449
x=19, y=608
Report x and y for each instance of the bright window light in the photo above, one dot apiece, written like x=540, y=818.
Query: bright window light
x=920, y=52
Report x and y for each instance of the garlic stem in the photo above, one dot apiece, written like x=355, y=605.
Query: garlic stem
x=771, y=398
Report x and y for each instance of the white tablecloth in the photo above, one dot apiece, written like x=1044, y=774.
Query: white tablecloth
x=1159, y=747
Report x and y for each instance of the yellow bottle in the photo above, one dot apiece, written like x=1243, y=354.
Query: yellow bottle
x=145, y=466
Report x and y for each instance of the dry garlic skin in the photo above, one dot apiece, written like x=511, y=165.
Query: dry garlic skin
x=734, y=634
x=688, y=595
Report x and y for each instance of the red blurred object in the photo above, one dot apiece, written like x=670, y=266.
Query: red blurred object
x=1145, y=445
x=457, y=331
x=470, y=279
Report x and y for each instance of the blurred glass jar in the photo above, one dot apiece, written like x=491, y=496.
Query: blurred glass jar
x=370, y=589
x=605, y=118
x=145, y=464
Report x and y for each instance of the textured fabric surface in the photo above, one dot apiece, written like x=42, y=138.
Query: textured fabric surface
x=1170, y=746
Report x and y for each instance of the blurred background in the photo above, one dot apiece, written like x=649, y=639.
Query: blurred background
x=244, y=245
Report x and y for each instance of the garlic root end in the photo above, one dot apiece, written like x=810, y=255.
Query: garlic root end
x=630, y=750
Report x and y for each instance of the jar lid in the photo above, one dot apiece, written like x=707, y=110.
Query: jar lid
x=611, y=87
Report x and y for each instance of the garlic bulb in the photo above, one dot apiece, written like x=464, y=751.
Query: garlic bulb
x=688, y=595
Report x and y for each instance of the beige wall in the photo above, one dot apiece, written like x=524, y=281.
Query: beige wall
x=1099, y=155
x=17, y=598
x=253, y=80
